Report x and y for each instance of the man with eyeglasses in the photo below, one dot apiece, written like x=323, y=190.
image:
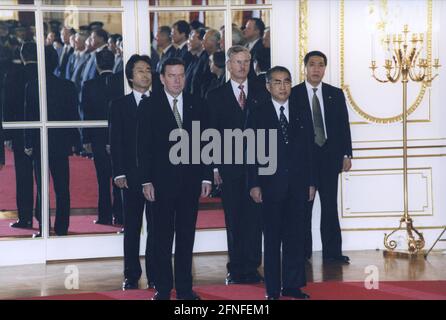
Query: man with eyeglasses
x=284, y=193
x=230, y=107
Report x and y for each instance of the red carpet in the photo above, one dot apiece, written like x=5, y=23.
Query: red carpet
x=388, y=290
x=83, y=185
x=207, y=219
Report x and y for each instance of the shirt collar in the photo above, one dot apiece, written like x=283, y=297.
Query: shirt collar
x=235, y=85
x=101, y=47
x=310, y=86
x=182, y=45
x=277, y=105
x=171, y=98
x=138, y=95
x=167, y=48
x=253, y=43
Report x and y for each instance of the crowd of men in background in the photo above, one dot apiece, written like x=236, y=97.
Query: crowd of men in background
x=84, y=55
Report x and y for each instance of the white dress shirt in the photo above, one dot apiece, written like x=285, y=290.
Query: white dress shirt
x=252, y=44
x=179, y=103
x=236, y=90
x=321, y=101
x=138, y=96
x=277, y=106
x=179, y=47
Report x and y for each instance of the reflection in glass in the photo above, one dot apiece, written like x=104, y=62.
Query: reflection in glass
x=77, y=37
x=194, y=37
x=82, y=198
x=256, y=34
x=16, y=70
x=166, y=3
x=18, y=205
x=96, y=3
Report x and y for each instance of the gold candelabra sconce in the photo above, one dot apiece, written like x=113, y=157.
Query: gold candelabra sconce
x=407, y=59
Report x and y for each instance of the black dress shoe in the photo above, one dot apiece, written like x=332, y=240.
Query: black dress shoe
x=188, y=296
x=233, y=278
x=253, y=277
x=272, y=297
x=37, y=235
x=107, y=223
x=339, y=259
x=295, y=293
x=129, y=285
x=22, y=224
x=151, y=285
x=161, y=296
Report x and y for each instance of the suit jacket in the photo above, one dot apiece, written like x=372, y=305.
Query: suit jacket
x=61, y=106
x=184, y=54
x=155, y=125
x=172, y=52
x=14, y=97
x=63, y=62
x=294, y=160
x=78, y=64
x=96, y=97
x=119, y=64
x=122, y=125
x=225, y=113
x=257, y=47
x=339, y=141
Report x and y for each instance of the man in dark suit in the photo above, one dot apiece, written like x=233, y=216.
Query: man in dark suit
x=124, y=113
x=332, y=149
x=67, y=51
x=61, y=106
x=174, y=189
x=284, y=192
x=96, y=97
x=230, y=107
x=164, y=43
x=180, y=34
x=253, y=33
x=14, y=105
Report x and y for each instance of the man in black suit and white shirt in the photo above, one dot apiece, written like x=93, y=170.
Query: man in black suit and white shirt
x=230, y=107
x=124, y=113
x=284, y=192
x=174, y=189
x=18, y=76
x=96, y=97
x=253, y=34
x=164, y=43
x=180, y=34
x=61, y=106
x=332, y=149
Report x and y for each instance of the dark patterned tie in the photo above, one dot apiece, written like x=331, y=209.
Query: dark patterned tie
x=242, y=97
x=283, y=125
x=177, y=115
x=318, y=122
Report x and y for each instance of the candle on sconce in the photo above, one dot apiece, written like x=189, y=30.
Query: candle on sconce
x=372, y=47
x=436, y=45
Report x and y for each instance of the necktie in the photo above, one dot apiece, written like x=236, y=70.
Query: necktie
x=318, y=122
x=176, y=113
x=242, y=97
x=283, y=125
x=143, y=97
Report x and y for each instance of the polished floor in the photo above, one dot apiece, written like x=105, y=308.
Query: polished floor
x=106, y=275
